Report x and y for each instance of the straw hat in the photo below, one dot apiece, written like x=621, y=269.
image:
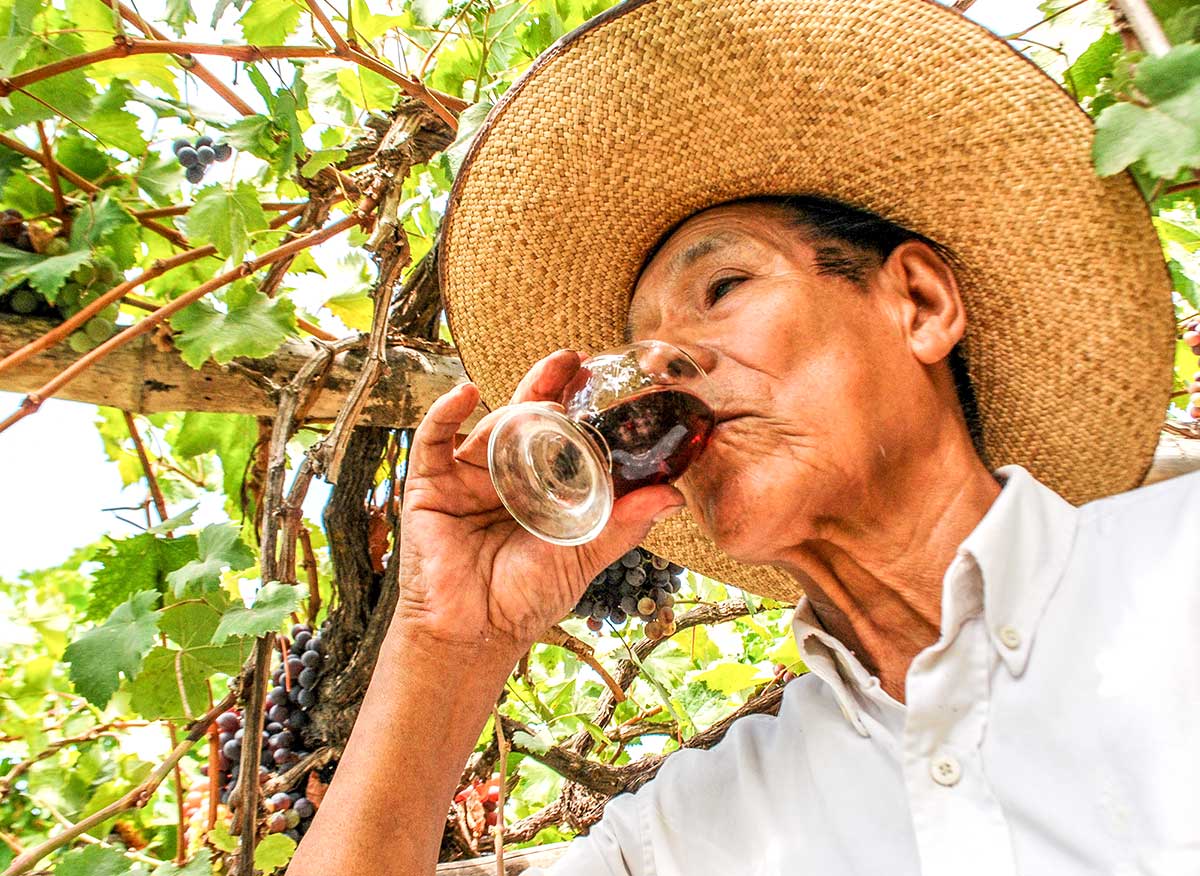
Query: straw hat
x=658, y=108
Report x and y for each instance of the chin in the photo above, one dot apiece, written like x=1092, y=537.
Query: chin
x=733, y=512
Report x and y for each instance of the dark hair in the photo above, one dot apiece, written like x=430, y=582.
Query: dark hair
x=851, y=243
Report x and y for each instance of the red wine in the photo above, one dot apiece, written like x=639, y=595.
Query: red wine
x=653, y=436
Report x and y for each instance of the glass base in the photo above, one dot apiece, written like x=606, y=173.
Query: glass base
x=550, y=474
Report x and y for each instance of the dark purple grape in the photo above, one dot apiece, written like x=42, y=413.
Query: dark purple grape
x=293, y=835
x=279, y=713
x=206, y=155
x=277, y=696
x=279, y=802
x=232, y=749
x=304, y=808
x=294, y=666
x=308, y=698
x=282, y=739
x=204, y=141
x=301, y=639
x=636, y=577
x=659, y=563
x=296, y=720
x=274, y=727
x=223, y=737
x=294, y=694
x=310, y=659
x=617, y=616
x=229, y=721
x=194, y=174
x=180, y=144
x=632, y=560
x=188, y=156
x=276, y=822
x=308, y=678
x=315, y=645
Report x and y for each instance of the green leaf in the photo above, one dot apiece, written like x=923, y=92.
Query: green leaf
x=273, y=603
x=67, y=94
x=179, y=13
x=220, y=547
x=254, y=325
x=99, y=656
x=268, y=22
x=95, y=861
x=273, y=853
x=133, y=564
x=1095, y=63
x=159, y=178
x=46, y=274
x=96, y=221
x=220, y=838
x=231, y=436
x=113, y=124
x=1163, y=138
x=539, y=744
x=199, y=865
x=355, y=309
x=82, y=156
x=729, y=676
x=469, y=121
x=320, y=159
x=180, y=520
x=170, y=675
x=225, y=218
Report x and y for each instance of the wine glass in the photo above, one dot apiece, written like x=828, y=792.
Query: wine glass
x=632, y=417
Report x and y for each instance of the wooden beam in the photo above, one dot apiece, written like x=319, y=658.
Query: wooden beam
x=143, y=377
x=515, y=861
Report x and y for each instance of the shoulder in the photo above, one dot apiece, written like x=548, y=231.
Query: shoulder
x=1162, y=512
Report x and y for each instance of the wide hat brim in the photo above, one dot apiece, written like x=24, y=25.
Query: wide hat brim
x=658, y=108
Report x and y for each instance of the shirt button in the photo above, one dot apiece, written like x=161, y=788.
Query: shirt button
x=1009, y=637
x=945, y=769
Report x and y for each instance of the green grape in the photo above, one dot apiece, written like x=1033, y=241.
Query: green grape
x=107, y=271
x=85, y=274
x=24, y=301
x=99, y=329
x=57, y=246
x=68, y=296
x=81, y=343
x=111, y=312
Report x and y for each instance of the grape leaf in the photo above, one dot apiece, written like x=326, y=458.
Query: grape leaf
x=272, y=604
x=1094, y=64
x=96, y=221
x=96, y=861
x=199, y=865
x=133, y=564
x=273, y=852
x=117, y=646
x=268, y=22
x=220, y=838
x=44, y=273
x=220, y=547
x=225, y=217
x=320, y=159
x=68, y=94
x=232, y=436
x=729, y=676
x=169, y=675
x=1163, y=138
x=355, y=309
x=254, y=325
x=82, y=156
x=159, y=178
x=113, y=124
x=469, y=122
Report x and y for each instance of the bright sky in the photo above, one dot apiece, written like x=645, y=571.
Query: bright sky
x=56, y=477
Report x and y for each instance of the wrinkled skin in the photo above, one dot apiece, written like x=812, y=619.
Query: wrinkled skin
x=842, y=455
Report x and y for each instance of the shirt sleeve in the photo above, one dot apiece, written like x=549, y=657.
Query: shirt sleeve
x=615, y=846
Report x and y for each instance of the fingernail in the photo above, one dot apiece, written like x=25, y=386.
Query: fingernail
x=669, y=511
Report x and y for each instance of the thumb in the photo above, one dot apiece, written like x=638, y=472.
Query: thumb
x=632, y=517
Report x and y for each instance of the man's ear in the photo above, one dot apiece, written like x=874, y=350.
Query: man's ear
x=934, y=318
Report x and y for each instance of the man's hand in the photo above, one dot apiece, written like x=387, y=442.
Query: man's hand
x=469, y=573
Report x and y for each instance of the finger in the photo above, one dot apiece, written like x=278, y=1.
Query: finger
x=632, y=517
x=546, y=379
x=432, y=450
x=473, y=448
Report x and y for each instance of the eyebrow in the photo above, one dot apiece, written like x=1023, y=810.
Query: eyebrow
x=698, y=250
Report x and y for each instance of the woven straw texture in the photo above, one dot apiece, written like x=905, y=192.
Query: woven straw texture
x=659, y=108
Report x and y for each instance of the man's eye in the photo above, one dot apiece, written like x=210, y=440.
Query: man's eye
x=721, y=288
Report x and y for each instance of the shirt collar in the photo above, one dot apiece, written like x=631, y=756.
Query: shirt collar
x=1019, y=549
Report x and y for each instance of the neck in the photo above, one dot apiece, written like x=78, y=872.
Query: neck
x=875, y=581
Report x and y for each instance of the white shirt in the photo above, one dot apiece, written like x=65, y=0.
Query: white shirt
x=1053, y=728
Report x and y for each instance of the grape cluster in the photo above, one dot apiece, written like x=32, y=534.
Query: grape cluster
x=1193, y=408
x=487, y=792
x=639, y=584
x=292, y=694
x=87, y=283
x=198, y=157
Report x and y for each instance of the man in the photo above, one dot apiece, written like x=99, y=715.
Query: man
x=1001, y=682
